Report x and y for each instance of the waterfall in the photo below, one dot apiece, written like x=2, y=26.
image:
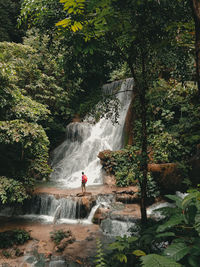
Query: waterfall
x=51, y=209
x=91, y=215
x=102, y=201
x=84, y=141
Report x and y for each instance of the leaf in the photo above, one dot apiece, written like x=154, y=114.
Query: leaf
x=193, y=261
x=177, y=199
x=64, y=23
x=197, y=223
x=189, y=198
x=177, y=251
x=139, y=253
x=153, y=260
x=121, y=257
x=174, y=220
x=166, y=234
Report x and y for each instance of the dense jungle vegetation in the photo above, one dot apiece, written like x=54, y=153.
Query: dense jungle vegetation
x=55, y=57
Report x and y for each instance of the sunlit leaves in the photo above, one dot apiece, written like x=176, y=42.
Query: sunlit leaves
x=11, y=191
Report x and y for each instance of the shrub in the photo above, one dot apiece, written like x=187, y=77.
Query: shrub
x=13, y=237
x=59, y=235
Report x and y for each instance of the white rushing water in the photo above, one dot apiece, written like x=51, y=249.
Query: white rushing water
x=84, y=141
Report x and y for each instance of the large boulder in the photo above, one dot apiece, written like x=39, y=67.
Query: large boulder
x=168, y=176
x=100, y=214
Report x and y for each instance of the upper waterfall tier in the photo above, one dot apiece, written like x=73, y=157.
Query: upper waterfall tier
x=84, y=141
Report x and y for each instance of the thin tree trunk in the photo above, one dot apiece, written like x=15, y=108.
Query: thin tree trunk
x=196, y=15
x=144, y=163
x=143, y=182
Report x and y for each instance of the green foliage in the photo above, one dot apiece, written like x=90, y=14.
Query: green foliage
x=23, y=141
x=100, y=260
x=172, y=241
x=13, y=237
x=58, y=235
x=9, y=10
x=11, y=191
x=122, y=253
x=34, y=145
x=174, y=121
x=122, y=72
x=153, y=260
x=125, y=165
x=6, y=254
x=183, y=223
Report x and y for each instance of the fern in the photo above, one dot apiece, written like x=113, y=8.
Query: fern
x=100, y=261
x=153, y=260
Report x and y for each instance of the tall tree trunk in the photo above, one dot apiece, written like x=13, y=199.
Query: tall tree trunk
x=141, y=91
x=144, y=158
x=143, y=182
x=196, y=15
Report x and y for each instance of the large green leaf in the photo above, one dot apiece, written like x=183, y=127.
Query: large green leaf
x=177, y=199
x=177, y=251
x=174, y=220
x=153, y=260
x=192, y=196
x=197, y=223
x=166, y=234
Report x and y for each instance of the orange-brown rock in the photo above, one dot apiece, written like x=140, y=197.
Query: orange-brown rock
x=104, y=154
x=109, y=180
x=100, y=214
x=129, y=123
x=65, y=242
x=76, y=118
x=86, y=202
x=167, y=175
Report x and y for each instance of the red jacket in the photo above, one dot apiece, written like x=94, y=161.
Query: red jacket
x=84, y=178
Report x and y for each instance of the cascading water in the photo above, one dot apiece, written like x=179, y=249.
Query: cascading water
x=84, y=141
x=49, y=209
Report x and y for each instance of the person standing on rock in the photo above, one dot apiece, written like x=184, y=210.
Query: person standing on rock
x=84, y=181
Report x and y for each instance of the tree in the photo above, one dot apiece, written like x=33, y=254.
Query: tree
x=196, y=14
x=24, y=144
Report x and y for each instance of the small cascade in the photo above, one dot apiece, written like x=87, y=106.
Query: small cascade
x=153, y=210
x=91, y=215
x=48, y=205
x=84, y=141
x=102, y=201
x=57, y=214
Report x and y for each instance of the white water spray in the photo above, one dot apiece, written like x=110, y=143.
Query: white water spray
x=84, y=141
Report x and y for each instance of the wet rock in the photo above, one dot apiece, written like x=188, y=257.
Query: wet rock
x=127, y=194
x=109, y=180
x=100, y=214
x=65, y=242
x=167, y=175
